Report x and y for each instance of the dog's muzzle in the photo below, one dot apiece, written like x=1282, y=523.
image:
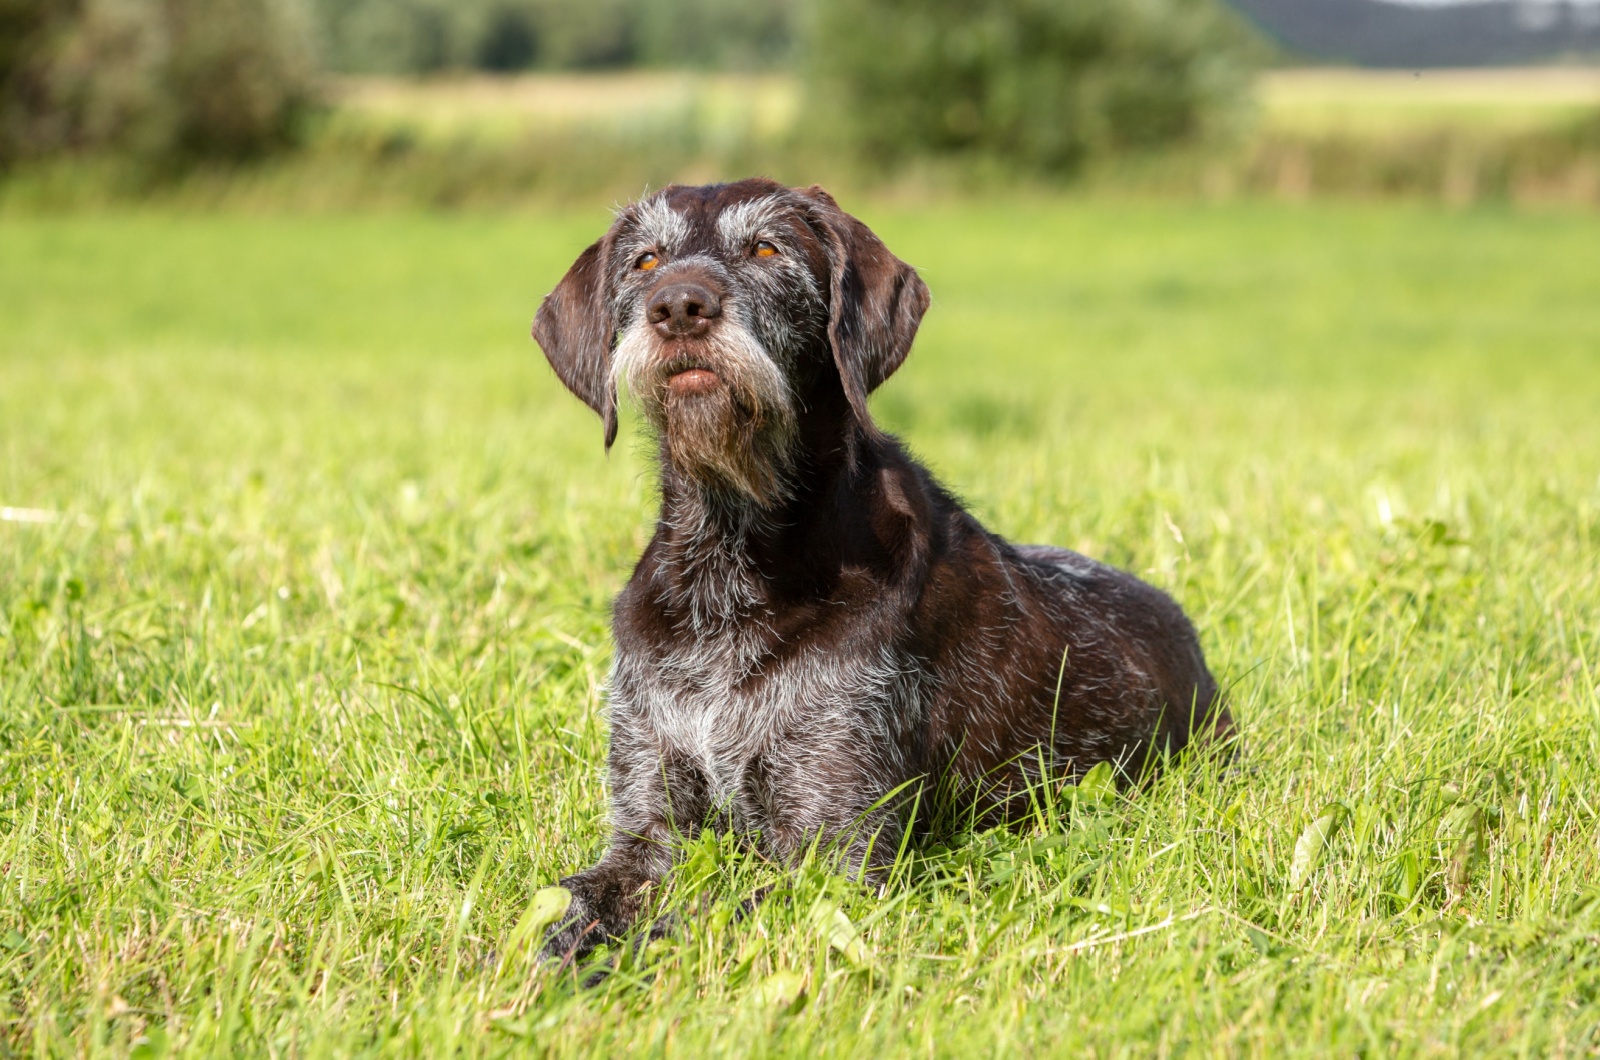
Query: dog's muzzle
x=723, y=407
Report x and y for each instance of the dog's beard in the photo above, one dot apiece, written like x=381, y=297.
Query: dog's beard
x=734, y=435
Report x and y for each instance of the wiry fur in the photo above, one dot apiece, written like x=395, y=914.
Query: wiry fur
x=818, y=636
x=736, y=438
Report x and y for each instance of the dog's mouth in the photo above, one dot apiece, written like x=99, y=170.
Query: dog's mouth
x=693, y=381
x=686, y=377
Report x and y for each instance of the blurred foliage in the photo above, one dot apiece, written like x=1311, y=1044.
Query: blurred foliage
x=29, y=33
x=1044, y=84
x=957, y=95
x=424, y=36
x=1038, y=86
x=347, y=167
x=162, y=81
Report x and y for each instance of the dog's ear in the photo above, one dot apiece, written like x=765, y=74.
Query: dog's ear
x=574, y=328
x=875, y=301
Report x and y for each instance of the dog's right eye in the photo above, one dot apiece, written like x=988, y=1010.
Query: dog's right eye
x=647, y=261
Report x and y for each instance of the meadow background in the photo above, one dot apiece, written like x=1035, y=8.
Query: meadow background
x=306, y=559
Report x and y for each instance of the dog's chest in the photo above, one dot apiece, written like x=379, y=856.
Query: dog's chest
x=719, y=703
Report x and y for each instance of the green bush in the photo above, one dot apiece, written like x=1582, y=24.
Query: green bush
x=718, y=34
x=1046, y=85
x=30, y=33
x=162, y=81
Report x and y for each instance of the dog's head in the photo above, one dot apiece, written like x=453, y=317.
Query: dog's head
x=724, y=308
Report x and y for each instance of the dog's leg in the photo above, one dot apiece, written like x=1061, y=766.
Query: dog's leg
x=846, y=815
x=657, y=802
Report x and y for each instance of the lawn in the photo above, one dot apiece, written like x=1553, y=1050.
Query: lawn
x=304, y=574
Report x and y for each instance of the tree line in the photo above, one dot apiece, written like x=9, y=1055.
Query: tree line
x=1040, y=85
x=425, y=36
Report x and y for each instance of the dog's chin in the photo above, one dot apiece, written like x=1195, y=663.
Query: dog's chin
x=717, y=441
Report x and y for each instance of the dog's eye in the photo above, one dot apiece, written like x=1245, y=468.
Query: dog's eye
x=765, y=249
x=647, y=261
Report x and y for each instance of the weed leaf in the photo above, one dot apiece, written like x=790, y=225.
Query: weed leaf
x=1465, y=825
x=547, y=906
x=783, y=990
x=1099, y=784
x=840, y=933
x=1309, y=848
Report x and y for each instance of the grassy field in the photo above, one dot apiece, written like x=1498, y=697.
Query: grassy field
x=304, y=571
x=502, y=108
x=1340, y=100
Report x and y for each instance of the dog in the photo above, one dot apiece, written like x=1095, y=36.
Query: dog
x=819, y=641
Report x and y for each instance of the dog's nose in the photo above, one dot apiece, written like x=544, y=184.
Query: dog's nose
x=683, y=309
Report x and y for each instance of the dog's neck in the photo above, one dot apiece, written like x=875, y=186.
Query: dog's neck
x=717, y=551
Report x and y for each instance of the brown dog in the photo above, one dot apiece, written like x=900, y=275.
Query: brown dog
x=818, y=637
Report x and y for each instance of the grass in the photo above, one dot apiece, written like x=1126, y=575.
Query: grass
x=303, y=590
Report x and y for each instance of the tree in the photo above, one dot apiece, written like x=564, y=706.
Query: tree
x=161, y=80
x=1045, y=85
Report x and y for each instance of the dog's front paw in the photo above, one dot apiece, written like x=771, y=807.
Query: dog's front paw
x=580, y=929
x=604, y=904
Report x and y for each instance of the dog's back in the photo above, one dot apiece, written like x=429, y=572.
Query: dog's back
x=1034, y=662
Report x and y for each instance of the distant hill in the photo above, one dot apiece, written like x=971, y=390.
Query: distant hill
x=1468, y=33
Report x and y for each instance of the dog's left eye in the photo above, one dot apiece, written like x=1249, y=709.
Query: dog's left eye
x=765, y=249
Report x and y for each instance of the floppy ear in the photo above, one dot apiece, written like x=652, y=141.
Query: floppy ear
x=574, y=328
x=875, y=301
